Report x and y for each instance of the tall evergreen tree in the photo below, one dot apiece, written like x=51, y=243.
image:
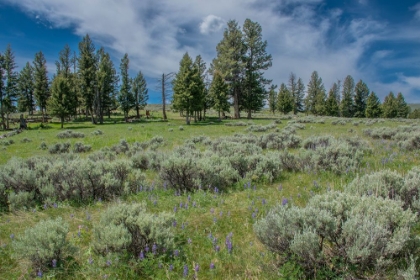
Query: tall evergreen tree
x=2, y=94
x=200, y=96
x=125, y=97
x=26, y=100
x=296, y=88
x=389, y=107
x=373, y=106
x=62, y=102
x=67, y=70
x=140, y=92
x=41, y=91
x=186, y=87
x=229, y=62
x=332, y=107
x=107, y=80
x=219, y=94
x=315, y=99
x=360, y=98
x=300, y=97
x=272, y=99
x=256, y=61
x=347, y=105
x=402, y=108
x=87, y=63
x=284, y=100
x=11, y=83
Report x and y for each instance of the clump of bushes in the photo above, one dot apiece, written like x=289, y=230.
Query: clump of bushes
x=7, y=142
x=341, y=235
x=240, y=123
x=25, y=140
x=121, y=147
x=70, y=134
x=130, y=228
x=391, y=185
x=97, y=132
x=59, y=148
x=44, y=245
x=81, y=148
x=181, y=128
x=43, y=146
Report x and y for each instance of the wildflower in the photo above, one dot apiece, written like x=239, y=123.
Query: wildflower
x=108, y=263
x=185, y=271
x=212, y=266
x=189, y=241
x=154, y=249
x=90, y=260
x=197, y=268
x=147, y=249
x=284, y=201
x=171, y=267
x=141, y=255
x=39, y=273
x=176, y=253
x=12, y=236
x=54, y=263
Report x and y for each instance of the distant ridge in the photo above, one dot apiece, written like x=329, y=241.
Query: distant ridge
x=414, y=106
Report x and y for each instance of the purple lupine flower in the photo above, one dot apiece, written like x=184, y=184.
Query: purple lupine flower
x=228, y=243
x=39, y=273
x=175, y=209
x=214, y=220
x=185, y=271
x=221, y=214
x=176, y=253
x=253, y=215
x=217, y=248
x=189, y=197
x=141, y=255
x=210, y=236
x=284, y=201
x=212, y=266
x=197, y=268
x=181, y=205
x=90, y=260
x=12, y=236
x=214, y=241
x=264, y=202
x=155, y=202
x=189, y=241
x=55, y=205
x=171, y=267
x=54, y=263
x=45, y=206
x=186, y=206
x=108, y=262
x=183, y=226
x=154, y=249
x=147, y=249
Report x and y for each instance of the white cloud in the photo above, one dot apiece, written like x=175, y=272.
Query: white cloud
x=211, y=23
x=416, y=9
x=156, y=33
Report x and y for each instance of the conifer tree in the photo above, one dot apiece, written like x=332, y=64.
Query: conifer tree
x=389, y=107
x=315, y=99
x=64, y=69
x=107, y=80
x=11, y=83
x=373, y=106
x=219, y=94
x=331, y=105
x=402, y=108
x=296, y=89
x=2, y=94
x=41, y=86
x=300, y=97
x=26, y=89
x=140, y=92
x=256, y=61
x=125, y=97
x=360, y=99
x=285, y=100
x=200, y=95
x=347, y=105
x=62, y=102
x=230, y=62
x=272, y=99
x=87, y=63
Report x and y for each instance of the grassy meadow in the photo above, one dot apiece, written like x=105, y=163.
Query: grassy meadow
x=204, y=218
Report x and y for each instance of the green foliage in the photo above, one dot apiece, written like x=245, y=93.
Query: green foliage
x=272, y=99
x=402, y=108
x=389, y=107
x=284, y=100
x=129, y=227
x=62, y=102
x=415, y=114
x=347, y=100
x=315, y=99
x=44, y=244
x=219, y=93
x=360, y=99
x=41, y=84
x=140, y=92
x=26, y=88
x=297, y=90
x=373, y=106
x=332, y=107
x=341, y=233
x=126, y=98
x=81, y=148
x=59, y=148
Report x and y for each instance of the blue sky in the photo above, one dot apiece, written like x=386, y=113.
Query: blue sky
x=376, y=41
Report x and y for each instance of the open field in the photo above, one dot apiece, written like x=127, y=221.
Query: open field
x=205, y=218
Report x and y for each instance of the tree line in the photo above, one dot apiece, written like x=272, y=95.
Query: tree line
x=84, y=83
x=238, y=79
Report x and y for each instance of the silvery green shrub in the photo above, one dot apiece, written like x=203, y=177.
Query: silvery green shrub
x=180, y=172
x=121, y=148
x=43, y=243
x=70, y=134
x=129, y=227
x=79, y=147
x=392, y=185
x=214, y=170
x=280, y=141
x=345, y=234
x=59, y=148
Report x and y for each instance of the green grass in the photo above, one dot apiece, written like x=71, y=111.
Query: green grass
x=218, y=214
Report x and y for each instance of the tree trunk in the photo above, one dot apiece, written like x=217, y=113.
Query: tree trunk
x=219, y=116
x=187, y=118
x=138, y=111
x=249, y=114
x=236, y=104
x=7, y=121
x=62, y=122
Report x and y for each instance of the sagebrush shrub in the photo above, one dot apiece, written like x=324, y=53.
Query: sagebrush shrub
x=79, y=147
x=121, y=147
x=59, y=148
x=129, y=227
x=25, y=140
x=44, y=243
x=97, y=132
x=344, y=234
x=70, y=134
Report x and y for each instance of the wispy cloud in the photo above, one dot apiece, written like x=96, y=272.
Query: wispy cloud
x=156, y=34
x=416, y=9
